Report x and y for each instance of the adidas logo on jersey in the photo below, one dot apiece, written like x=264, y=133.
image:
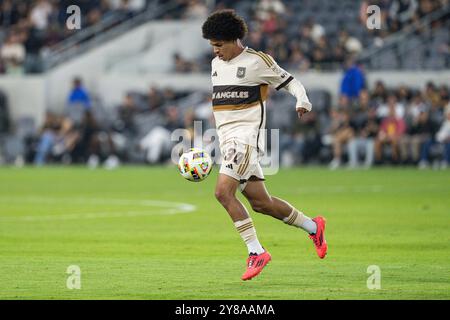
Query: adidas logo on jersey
x=214, y=74
x=229, y=166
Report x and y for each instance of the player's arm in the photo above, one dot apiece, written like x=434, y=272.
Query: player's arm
x=276, y=76
x=298, y=91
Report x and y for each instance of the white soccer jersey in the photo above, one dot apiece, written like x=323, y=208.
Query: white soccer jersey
x=240, y=88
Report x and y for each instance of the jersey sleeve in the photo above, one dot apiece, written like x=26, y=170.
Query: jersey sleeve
x=271, y=73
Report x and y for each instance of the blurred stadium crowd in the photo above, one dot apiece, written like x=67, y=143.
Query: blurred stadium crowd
x=380, y=125
x=301, y=35
x=304, y=35
x=367, y=126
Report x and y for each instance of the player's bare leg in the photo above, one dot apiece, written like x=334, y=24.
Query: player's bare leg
x=260, y=200
x=226, y=194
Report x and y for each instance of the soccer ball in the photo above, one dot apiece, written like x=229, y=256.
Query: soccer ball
x=195, y=165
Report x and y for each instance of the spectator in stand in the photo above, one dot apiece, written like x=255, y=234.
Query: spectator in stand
x=353, y=81
x=297, y=60
x=428, y=6
x=79, y=95
x=133, y=6
x=404, y=95
x=9, y=14
x=86, y=145
x=339, y=55
x=365, y=125
x=44, y=22
x=91, y=143
x=5, y=121
x=265, y=8
x=323, y=47
x=196, y=9
x=379, y=94
x=126, y=111
x=351, y=44
x=440, y=125
x=13, y=53
x=317, y=30
x=419, y=130
x=157, y=143
x=432, y=96
x=392, y=101
x=123, y=9
x=40, y=14
x=278, y=48
x=307, y=134
x=342, y=134
x=305, y=39
x=319, y=59
x=53, y=132
x=182, y=65
x=154, y=100
x=443, y=137
x=401, y=13
x=256, y=40
x=271, y=24
x=392, y=129
x=444, y=93
x=33, y=44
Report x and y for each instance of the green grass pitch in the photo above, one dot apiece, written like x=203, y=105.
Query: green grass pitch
x=145, y=233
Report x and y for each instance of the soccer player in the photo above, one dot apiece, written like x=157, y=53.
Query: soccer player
x=240, y=78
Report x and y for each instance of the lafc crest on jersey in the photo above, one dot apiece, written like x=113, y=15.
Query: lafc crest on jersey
x=240, y=72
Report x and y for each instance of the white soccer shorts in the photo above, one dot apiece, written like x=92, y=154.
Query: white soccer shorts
x=240, y=161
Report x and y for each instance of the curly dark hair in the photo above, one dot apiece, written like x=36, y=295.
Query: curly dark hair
x=224, y=25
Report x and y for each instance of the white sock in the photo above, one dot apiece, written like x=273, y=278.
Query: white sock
x=248, y=234
x=298, y=219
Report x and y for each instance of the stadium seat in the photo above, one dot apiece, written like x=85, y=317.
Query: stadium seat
x=384, y=60
x=146, y=122
x=13, y=148
x=75, y=112
x=435, y=62
x=320, y=99
x=280, y=112
x=25, y=127
x=4, y=114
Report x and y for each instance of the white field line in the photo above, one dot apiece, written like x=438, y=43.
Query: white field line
x=164, y=208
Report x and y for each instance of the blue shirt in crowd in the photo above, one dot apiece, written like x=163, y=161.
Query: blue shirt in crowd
x=353, y=82
x=80, y=95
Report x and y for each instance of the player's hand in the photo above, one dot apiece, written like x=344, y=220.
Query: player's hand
x=301, y=112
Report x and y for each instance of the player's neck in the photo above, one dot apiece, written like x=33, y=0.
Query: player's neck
x=238, y=50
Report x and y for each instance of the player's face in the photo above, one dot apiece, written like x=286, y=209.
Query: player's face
x=223, y=49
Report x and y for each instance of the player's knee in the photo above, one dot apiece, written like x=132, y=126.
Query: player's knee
x=223, y=196
x=264, y=207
